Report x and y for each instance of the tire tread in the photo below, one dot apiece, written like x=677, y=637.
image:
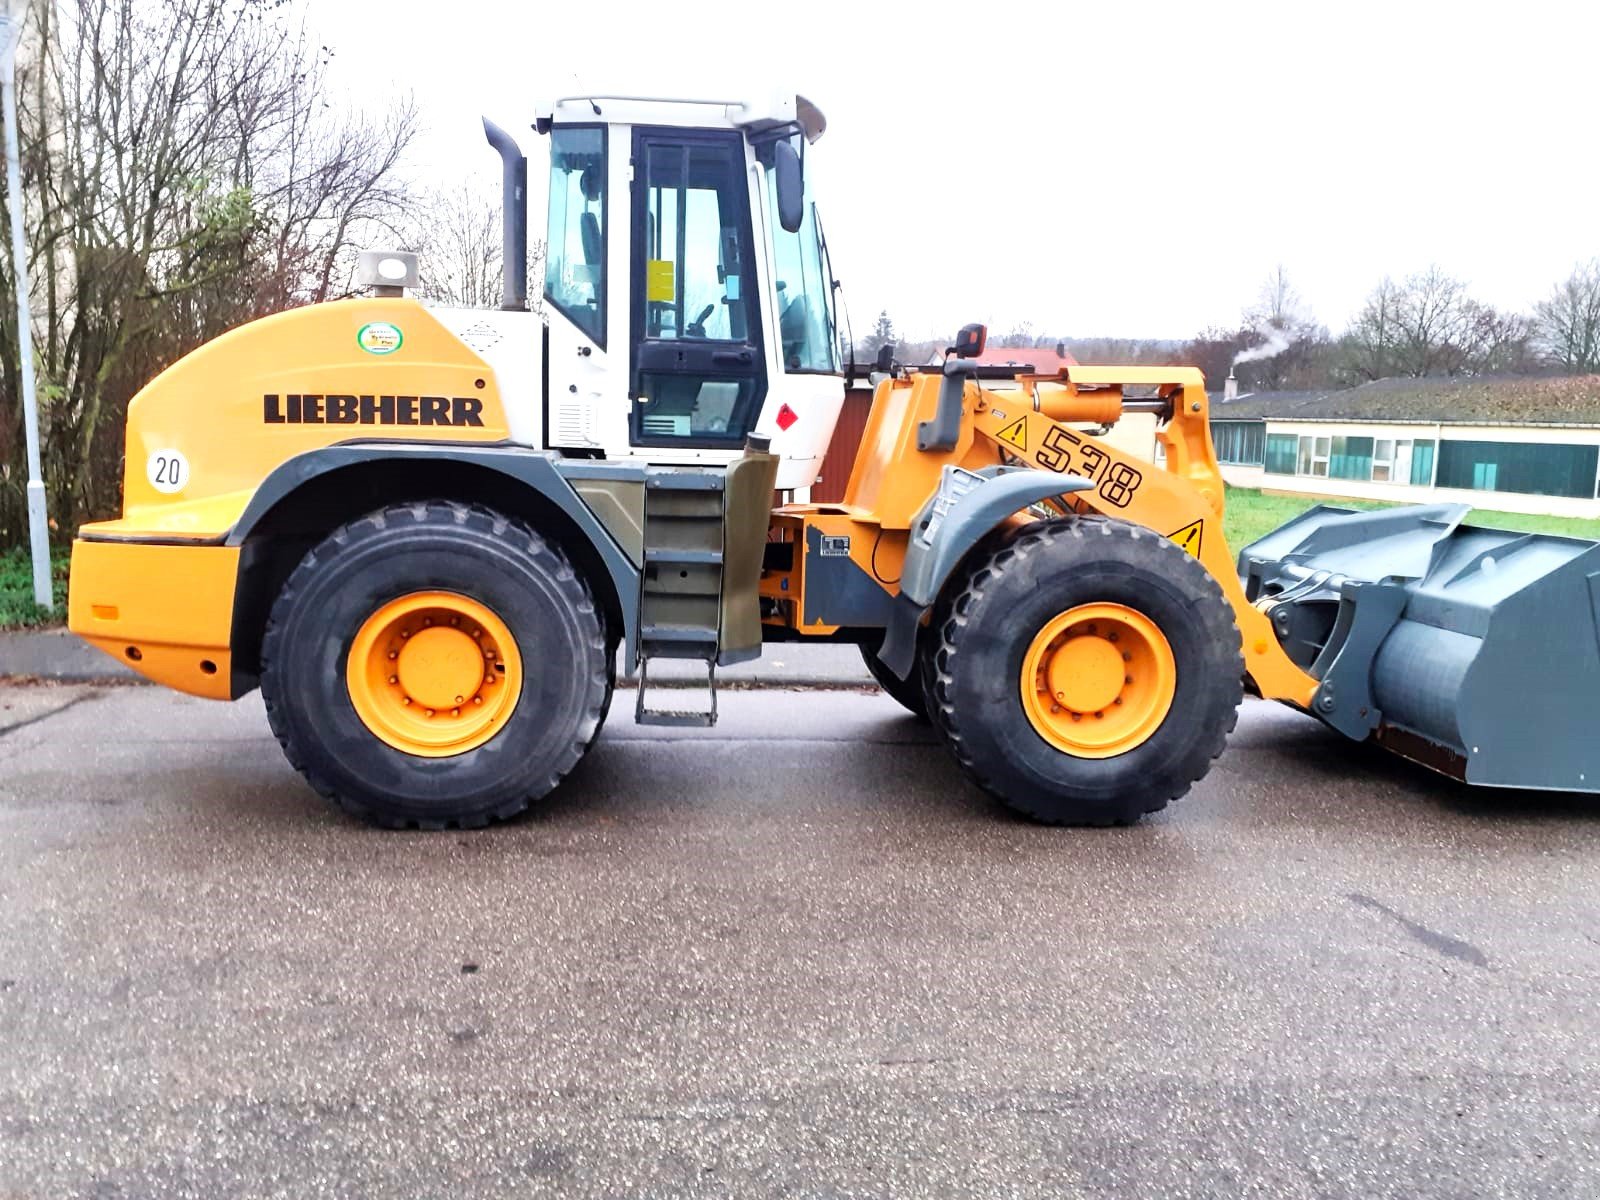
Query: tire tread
x=467, y=516
x=1070, y=535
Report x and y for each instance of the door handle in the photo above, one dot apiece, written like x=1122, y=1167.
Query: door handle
x=732, y=358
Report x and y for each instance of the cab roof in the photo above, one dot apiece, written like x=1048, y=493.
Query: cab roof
x=750, y=116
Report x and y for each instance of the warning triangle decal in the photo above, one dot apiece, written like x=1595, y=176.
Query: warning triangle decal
x=1015, y=434
x=1189, y=537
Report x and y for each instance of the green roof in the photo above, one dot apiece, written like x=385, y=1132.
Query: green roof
x=1551, y=400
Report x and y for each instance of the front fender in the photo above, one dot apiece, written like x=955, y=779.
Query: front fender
x=930, y=562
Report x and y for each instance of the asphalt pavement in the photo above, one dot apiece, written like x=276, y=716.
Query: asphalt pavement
x=795, y=955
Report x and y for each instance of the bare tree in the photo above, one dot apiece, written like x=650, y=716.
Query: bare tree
x=1371, y=344
x=1567, y=323
x=1430, y=322
x=1283, y=338
x=459, y=247
x=1019, y=336
x=1494, y=342
x=1278, y=305
x=181, y=174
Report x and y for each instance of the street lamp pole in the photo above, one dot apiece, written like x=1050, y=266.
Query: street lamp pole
x=38, y=526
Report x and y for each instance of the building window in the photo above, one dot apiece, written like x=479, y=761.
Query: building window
x=1351, y=458
x=1383, y=454
x=1314, y=454
x=1421, y=464
x=1242, y=443
x=1281, y=449
x=1531, y=468
x=1381, y=460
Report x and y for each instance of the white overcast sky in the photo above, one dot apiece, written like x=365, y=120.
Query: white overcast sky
x=1131, y=168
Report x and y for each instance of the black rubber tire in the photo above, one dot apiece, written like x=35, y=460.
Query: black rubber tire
x=990, y=616
x=495, y=560
x=908, y=693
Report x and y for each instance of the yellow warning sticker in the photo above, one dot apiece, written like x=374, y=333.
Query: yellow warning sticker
x=1015, y=434
x=661, y=280
x=1189, y=536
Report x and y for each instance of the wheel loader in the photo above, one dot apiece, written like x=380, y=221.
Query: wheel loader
x=429, y=534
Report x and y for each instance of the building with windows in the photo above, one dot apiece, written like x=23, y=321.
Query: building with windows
x=1518, y=445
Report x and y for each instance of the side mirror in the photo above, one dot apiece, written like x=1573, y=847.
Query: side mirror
x=970, y=341
x=885, y=360
x=791, y=187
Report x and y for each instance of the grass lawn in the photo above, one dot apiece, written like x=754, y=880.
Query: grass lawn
x=1250, y=514
x=17, y=610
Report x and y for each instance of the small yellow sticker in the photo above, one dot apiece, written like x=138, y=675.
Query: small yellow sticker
x=661, y=280
x=1189, y=536
x=1015, y=434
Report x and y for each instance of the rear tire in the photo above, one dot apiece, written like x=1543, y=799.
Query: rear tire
x=331, y=724
x=993, y=618
x=908, y=693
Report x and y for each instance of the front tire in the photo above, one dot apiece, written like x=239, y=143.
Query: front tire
x=434, y=665
x=1085, y=673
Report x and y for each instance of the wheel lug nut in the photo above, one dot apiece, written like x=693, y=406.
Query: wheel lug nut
x=1111, y=637
x=1118, y=700
x=426, y=621
x=406, y=700
x=394, y=654
x=428, y=713
x=455, y=712
x=459, y=699
x=394, y=679
x=1127, y=679
x=1127, y=657
x=1077, y=716
x=405, y=633
x=1098, y=715
x=488, y=653
x=477, y=699
x=455, y=620
x=1055, y=708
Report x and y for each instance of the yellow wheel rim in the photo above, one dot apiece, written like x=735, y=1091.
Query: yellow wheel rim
x=1098, y=680
x=434, y=674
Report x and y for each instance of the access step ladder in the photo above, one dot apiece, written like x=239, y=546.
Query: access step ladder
x=681, y=601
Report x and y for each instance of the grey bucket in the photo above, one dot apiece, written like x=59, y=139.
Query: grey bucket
x=1472, y=651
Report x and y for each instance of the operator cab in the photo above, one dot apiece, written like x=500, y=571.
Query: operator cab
x=688, y=298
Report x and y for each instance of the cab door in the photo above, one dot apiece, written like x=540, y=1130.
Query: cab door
x=698, y=369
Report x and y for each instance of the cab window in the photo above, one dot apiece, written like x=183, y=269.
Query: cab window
x=575, y=248
x=804, y=296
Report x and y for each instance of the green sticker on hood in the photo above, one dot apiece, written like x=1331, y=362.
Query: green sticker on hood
x=380, y=337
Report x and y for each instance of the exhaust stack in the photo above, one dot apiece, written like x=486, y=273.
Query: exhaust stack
x=1230, y=388
x=513, y=215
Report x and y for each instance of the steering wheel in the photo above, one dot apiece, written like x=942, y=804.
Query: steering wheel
x=697, y=327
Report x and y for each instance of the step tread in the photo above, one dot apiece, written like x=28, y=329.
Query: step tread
x=667, y=554
x=681, y=720
x=677, y=633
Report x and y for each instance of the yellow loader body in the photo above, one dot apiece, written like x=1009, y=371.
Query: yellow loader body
x=155, y=589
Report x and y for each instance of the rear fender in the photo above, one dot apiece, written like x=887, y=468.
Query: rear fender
x=536, y=470
x=931, y=561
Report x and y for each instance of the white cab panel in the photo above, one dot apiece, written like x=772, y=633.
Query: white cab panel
x=512, y=343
